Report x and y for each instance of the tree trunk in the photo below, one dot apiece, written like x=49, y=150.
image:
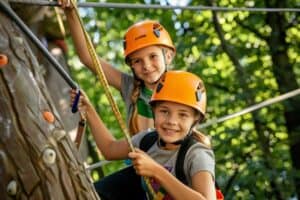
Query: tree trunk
x=287, y=81
x=38, y=160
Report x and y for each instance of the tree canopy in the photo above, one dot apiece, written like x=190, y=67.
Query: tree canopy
x=244, y=58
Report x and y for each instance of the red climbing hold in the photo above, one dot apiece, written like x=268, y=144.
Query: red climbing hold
x=3, y=60
x=48, y=116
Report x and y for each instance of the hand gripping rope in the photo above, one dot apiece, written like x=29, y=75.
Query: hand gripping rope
x=10, y=13
x=97, y=66
x=102, y=78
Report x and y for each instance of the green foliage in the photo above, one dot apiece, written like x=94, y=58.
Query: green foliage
x=252, y=150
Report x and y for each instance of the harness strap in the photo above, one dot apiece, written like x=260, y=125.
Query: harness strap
x=185, y=145
x=150, y=138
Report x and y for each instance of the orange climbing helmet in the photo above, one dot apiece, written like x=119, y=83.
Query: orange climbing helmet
x=146, y=33
x=181, y=87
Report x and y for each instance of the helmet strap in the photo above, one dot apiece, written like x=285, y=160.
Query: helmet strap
x=165, y=59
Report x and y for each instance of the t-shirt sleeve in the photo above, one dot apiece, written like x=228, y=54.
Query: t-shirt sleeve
x=126, y=87
x=199, y=158
x=126, y=91
x=136, y=139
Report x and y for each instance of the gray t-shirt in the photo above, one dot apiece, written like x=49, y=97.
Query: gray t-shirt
x=126, y=92
x=198, y=158
x=143, y=107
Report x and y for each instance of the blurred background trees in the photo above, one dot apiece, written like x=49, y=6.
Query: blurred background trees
x=244, y=58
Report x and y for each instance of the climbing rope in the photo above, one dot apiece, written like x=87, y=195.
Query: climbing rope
x=163, y=7
x=11, y=14
x=59, y=21
x=98, y=68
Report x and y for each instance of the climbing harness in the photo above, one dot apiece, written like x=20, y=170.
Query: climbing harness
x=150, y=138
x=80, y=131
x=10, y=13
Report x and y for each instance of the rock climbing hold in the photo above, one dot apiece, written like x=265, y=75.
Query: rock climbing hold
x=48, y=116
x=12, y=188
x=49, y=156
x=3, y=60
x=58, y=134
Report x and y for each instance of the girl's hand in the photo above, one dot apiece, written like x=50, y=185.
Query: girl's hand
x=83, y=103
x=65, y=4
x=143, y=164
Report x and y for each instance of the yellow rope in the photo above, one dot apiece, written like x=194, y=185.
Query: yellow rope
x=59, y=21
x=97, y=66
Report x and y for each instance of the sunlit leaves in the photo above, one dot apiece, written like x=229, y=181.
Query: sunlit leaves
x=242, y=153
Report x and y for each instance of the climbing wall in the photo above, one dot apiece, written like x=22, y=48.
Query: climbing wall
x=38, y=160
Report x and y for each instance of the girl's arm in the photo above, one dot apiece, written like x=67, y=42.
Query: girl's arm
x=111, y=148
x=112, y=74
x=203, y=184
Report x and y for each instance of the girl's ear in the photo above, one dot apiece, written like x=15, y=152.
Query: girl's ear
x=198, y=117
x=169, y=56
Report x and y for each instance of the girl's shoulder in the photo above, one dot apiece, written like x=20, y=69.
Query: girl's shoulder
x=136, y=139
x=199, y=158
x=199, y=148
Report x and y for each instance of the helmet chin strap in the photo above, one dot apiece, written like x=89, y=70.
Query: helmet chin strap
x=165, y=59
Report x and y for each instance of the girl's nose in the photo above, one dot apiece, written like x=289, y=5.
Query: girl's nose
x=171, y=119
x=146, y=64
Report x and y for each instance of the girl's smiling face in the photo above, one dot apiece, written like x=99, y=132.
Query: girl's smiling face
x=173, y=121
x=149, y=64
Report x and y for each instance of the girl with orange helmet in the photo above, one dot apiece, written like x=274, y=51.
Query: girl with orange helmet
x=177, y=108
x=148, y=50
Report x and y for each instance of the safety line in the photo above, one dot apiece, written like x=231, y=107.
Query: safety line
x=60, y=21
x=100, y=73
x=11, y=14
x=97, y=66
x=252, y=108
x=155, y=6
x=98, y=164
x=212, y=121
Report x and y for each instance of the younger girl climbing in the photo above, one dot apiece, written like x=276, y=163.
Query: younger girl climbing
x=177, y=108
x=148, y=50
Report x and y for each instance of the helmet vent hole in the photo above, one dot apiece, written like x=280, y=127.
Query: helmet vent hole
x=159, y=87
x=124, y=44
x=198, y=95
x=156, y=32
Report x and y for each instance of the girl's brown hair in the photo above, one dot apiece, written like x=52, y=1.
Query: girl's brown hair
x=202, y=138
x=133, y=126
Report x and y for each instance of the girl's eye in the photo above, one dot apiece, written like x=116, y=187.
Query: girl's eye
x=183, y=115
x=153, y=56
x=163, y=111
x=135, y=61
